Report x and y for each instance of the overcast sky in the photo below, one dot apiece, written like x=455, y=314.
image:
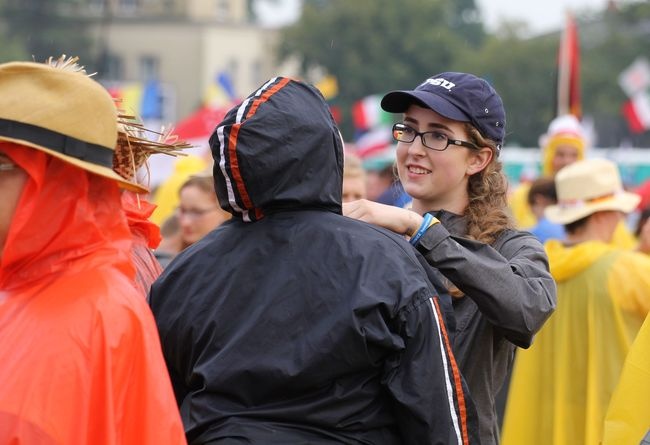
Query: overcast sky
x=541, y=15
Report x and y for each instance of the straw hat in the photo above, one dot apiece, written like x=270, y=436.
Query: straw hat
x=135, y=144
x=56, y=108
x=586, y=187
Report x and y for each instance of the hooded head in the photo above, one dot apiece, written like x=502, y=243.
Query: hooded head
x=279, y=149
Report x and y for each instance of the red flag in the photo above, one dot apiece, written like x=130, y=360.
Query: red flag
x=635, y=124
x=637, y=112
x=568, y=86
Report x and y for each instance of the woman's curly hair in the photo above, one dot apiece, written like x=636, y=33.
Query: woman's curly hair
x=487, y=213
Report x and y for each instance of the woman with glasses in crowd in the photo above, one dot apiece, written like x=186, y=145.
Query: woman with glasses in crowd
x=448, y=142
x=198, y=210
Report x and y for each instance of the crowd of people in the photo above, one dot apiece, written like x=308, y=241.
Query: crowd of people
x=287, y=291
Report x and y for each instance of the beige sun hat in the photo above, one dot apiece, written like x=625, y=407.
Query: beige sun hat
x=61, y=111
x=586, y=187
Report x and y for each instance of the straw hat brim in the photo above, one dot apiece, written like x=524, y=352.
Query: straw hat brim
x=624, y=202
x=88, y=166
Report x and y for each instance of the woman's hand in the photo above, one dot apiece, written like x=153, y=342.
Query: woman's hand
x=396, y=219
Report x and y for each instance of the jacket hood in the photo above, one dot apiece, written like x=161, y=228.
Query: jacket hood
x=567, y=262
x=66, y=219
x=275, y=151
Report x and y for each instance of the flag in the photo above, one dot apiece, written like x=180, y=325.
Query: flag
x=637, y=112
x=568, y=78
x=367, y=113
x=374, y=141
x=221, y=92
x=151, y=101
x=635, y=78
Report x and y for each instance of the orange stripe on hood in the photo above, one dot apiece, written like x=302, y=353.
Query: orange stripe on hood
x=232, y=146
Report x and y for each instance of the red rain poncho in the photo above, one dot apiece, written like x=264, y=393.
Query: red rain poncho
x=145, y=236
x=81, y=360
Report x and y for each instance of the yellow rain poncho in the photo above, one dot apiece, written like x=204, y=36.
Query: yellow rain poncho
x=562, y=385
x=166, y=196
x=628, y=416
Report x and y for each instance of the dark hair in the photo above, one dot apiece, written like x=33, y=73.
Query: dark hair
x=487, y=213
x=575, y=226
x=545, y=187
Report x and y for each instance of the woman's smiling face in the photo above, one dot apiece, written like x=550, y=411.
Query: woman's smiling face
x=435, y=179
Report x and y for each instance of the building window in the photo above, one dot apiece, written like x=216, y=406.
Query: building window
x=128, y=5
x=97, y=6
x=114, y=68
x=257, y=76
x=222, y=10
x=149, y=68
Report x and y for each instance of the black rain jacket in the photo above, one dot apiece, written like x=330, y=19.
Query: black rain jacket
x=292, y=324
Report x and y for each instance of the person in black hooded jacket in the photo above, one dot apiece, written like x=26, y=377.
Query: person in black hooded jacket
x=292, y=324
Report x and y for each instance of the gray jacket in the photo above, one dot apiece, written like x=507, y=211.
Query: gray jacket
x=511, y=294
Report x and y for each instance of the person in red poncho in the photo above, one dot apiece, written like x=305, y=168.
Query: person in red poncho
x=133, y=148
x=81, y=359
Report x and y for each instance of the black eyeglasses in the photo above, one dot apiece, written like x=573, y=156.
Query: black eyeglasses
x=434, y=140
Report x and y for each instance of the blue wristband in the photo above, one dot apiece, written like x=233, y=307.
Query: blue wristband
x=426, y=223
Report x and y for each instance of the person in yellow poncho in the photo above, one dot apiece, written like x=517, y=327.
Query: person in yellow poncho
x=564, y=143
x=562, y=385
x=166, y=196
x=628, y=415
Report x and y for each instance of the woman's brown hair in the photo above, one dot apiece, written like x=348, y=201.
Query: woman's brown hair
x=487, y=213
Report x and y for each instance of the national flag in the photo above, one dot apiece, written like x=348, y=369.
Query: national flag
x=568, y=78
x=637, y=112
x=636, y=78
x=151, y=101
x=367, y=113
x=374, y=141
x=221, y=92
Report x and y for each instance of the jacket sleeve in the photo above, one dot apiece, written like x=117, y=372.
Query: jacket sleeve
x=512, y=287
x=432, y=404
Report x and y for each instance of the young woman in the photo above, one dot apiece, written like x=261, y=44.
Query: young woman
x=448, y=144
x=198, y=210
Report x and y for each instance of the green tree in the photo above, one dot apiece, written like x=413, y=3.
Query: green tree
x=523, y=71
x=372, y=45
x=43, y=28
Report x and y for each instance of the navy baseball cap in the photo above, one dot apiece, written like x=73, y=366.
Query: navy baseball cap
x=458, y=96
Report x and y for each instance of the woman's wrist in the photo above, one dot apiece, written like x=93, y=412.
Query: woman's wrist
x=413, y=224
x=427, y=221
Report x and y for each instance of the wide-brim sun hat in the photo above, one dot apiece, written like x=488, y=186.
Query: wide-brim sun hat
x=586, y=187
x=58, y=109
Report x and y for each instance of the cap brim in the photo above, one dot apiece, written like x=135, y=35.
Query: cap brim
x=625, y=202
x=399, y=101
x=88, y=166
